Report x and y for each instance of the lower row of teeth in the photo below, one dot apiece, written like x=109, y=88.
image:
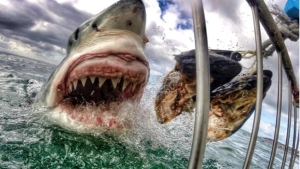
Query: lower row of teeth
x=115, y=82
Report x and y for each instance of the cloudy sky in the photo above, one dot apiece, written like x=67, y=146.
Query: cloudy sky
x=40, y=28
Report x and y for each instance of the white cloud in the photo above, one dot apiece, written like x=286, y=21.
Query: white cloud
x=16, y=47
x=5, y=3
x=40, y=26
x=267, y=129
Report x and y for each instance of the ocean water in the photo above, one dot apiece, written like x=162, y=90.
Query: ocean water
x=27, y=140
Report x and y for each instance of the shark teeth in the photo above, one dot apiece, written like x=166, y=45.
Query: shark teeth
x=83, y=81
x=134, y=86
x=93, y=79
x=125, y=84
x=75, y=84
x=101, y=80
x=70, y=88
x=115, y=82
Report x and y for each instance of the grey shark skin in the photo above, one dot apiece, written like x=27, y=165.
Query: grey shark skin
x=105, y=65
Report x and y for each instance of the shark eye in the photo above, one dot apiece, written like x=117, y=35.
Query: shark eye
x=76, y=33
x=94, y=26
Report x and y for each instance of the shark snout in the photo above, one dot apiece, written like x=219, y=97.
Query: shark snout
x=127, y=15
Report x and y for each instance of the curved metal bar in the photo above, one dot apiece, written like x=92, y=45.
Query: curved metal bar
x=203, y=86
x=286, y=149
x=297, y=146
x=259, y=92
x=278, y=116
x=274, y=34
x=293, y=153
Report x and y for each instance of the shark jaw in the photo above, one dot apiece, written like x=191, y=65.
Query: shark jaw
x=91, y=119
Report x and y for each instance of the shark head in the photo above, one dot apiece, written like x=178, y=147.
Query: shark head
x=105, y=66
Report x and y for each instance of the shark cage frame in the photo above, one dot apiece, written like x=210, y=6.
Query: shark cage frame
x=261, y=14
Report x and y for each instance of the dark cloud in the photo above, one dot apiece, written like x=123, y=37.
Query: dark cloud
x=61, y=20
x=72, y=17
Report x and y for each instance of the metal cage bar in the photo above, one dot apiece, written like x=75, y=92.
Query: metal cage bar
x=293, y=153
x=259, y=92
x=260, y=13
x=274, y=34
x=292, y=165
x=288, y=126
x=203, y=86
x=278, y=115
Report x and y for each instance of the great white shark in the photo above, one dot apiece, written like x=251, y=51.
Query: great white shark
x=105, y=65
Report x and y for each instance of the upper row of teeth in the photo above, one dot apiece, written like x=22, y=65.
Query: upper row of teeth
x=115, y=82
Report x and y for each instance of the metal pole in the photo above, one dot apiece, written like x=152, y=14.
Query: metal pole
x=278, y=116
x=274, y=34
x=296, y=150
x=203, y=86
x=286, y=149
x=293, y=153
x=259, y=93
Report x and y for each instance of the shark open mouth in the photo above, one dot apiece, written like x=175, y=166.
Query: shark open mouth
x=99, y=81
x=96, y=84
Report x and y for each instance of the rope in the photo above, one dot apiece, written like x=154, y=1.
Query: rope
x=288, y=28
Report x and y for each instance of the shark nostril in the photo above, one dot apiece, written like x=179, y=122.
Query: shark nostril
x=134, y=10
x=128, y=23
